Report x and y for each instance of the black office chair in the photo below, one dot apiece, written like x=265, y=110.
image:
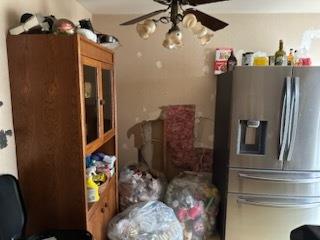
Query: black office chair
x=306, y=232
x=13, y=216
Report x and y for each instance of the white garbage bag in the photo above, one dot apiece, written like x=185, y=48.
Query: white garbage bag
x=151, y=220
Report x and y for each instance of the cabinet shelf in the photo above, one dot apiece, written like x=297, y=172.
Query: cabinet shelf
x=95, y=145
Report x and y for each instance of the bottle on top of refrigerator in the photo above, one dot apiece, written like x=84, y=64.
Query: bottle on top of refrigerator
x=280, y=55
x=291, y=58
x=296, y=58
x=232, y=62
x=247, y=59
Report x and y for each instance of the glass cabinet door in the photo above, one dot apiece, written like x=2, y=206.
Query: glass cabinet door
x=90, y=74
x=107, y=99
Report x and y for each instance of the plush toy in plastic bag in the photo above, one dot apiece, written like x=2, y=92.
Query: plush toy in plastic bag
x=195, y=202
x=151, y=220
x=138, y=183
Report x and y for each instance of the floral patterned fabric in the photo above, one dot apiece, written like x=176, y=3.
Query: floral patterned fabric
x=179, y=132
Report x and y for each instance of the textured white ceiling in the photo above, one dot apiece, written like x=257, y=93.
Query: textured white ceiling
x=233, y=6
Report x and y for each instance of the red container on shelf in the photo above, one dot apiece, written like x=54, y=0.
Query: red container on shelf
x=306, y=61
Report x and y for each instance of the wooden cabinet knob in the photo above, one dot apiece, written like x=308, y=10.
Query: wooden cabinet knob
x=102, y=210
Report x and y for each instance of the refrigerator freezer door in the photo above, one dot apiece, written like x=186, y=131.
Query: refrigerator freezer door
x=271, y=182
x=251, y=217
x=257, y=96
x=306, y=145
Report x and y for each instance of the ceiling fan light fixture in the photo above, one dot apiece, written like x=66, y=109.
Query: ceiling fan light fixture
x=146, y=28
x=150, y=25
x=206, y=39
x=169, y=45
x=198, y=22
x=198, y=29
x=141, y=30
x=203, y=32
x=173, y=38
x=189, y=21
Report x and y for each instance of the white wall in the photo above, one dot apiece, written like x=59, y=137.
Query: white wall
x=185, y=75
x=10, y=12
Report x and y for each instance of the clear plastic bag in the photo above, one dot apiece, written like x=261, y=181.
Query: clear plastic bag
x=195, y=202
x=151, y=220
x=137, y=183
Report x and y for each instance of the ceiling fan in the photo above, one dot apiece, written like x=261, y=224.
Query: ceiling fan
x=193, y=19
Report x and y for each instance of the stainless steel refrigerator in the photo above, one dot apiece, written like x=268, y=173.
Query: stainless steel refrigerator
x=267, y=151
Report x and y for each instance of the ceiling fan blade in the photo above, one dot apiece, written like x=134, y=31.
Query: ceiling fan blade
x=206, y=20
x=199, y=2
x=139, y=19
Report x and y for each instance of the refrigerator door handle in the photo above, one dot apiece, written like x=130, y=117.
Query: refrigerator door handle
x=284, y=128
x=275, y=179
x=295, y=115
x=277, y=202
x=282, y=119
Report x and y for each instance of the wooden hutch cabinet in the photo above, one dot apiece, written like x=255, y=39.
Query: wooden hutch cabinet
x=64, y=108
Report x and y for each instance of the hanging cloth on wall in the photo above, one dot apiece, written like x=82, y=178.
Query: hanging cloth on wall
x=179, y=137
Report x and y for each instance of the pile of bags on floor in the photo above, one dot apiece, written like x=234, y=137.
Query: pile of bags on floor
x=188, y=210
x=137, y=183
x=151, y=220
x=195, y=203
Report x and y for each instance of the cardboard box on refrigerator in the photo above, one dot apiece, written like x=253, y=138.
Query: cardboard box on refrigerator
x=221, y=58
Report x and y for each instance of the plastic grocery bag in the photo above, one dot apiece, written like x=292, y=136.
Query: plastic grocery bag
x=195, y=202
x=151, y=220
x=138, y=183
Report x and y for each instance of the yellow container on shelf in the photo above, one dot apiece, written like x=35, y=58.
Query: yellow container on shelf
x=261, y=61
x=92, y=187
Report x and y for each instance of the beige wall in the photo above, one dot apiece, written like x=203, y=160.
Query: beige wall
x=149, y=76
x=10, y=12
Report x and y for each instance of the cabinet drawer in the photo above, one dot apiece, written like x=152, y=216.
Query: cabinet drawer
x=111, y=198
x=252, y=217
x=274, y=182
x=97, y=225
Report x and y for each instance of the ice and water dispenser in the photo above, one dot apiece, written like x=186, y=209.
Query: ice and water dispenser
x=252, y=137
